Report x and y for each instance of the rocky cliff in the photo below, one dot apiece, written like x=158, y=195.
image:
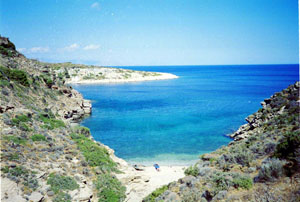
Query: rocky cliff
x=45, y=155
x=261, y=164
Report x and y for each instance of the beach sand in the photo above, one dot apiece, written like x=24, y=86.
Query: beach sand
x=139, y=184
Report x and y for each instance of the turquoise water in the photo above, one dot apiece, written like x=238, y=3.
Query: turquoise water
x=174, y=121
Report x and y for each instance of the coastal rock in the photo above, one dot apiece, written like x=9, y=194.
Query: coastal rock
x=139, y=167
x=36, y=197
x=10, y=191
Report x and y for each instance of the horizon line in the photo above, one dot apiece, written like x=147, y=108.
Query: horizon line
x=199, y=65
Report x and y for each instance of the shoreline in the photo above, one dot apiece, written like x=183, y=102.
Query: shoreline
x=162, y=76
x=141, y=183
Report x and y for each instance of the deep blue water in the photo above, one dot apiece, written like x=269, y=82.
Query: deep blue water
x=173, y=121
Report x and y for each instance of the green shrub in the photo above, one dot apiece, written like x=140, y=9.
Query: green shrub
x=94, y=154
x=24, y=127
x=109, y=188
x=271, y=170
x=47, y=79
x=5, y=169
x=222, y=181
x=13, y=156
x=16, y=171
x=151, y=197
x=38, y=137
x=4, y=82
x=192, y=170
x=82, y=130
x=15, y=75
x=288, y=146
x=20, y=118
x=16, y=140
x=59, y=183
x=243, y=182
x=225, y=180
x=51, y=123
x=240, y=154
x=62, y=197
x=26, y=177
x=191, y=195
x=5, y=51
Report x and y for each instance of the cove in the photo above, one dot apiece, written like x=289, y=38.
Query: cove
x=174, y=121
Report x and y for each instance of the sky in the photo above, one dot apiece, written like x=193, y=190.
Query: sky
x=154, y=32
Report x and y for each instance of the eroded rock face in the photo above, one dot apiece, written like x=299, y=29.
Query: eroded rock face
x=271, y=107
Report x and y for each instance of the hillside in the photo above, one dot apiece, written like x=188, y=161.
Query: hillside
x=45, y=154
x=261, y=164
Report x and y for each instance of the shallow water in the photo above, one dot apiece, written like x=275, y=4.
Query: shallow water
x=174, y=121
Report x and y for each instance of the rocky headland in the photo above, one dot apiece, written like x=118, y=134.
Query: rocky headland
x=90, y=74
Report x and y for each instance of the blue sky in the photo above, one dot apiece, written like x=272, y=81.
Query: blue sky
x=154, y=32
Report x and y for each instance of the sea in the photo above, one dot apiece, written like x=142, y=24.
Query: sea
x=172, y=122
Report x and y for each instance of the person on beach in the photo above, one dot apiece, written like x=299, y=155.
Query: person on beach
x=156, y=166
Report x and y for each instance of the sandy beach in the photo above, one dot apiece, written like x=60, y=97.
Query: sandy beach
x=141, y=183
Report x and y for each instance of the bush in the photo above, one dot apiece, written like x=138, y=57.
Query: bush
x=289, y=146
x=151, y=197
x=243, y=182
x=38, y=137
x=192, y=170
x=191, y=195
x=16, y=171
x=15, y=75
x=21, y=174
x=59, y=183
x=5, y=51
x=62, y=197
x=16, y=140
x=109, y=188
x=225, y=180
x=82, y=130
x=94, y=154
x=13, y=156
x=223, y=164
x=222, y=181
x=51, y=123
x=240, y=154
x=20, y=118
x=271, y=170
x=47, y=79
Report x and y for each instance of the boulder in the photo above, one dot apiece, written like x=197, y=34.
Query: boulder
x=36, y=197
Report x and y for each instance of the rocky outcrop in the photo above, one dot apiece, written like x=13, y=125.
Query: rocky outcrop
x=272, y=107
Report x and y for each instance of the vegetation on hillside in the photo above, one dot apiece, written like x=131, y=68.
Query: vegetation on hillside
x=41, y=151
